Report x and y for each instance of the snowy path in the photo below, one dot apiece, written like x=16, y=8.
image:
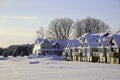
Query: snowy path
x=57, y=70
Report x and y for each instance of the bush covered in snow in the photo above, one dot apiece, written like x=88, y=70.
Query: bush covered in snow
x=32, y=56
x=41, y=56
x=55, y=57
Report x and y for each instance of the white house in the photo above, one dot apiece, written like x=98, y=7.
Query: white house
x=89, y=47
x=50, y=47
x=71, y=49
x=42, y=46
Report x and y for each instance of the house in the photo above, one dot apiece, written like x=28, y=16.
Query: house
x=58, y=46
x=72, y=51
x=114, y=52
x=104, y=46
x=89, y=47
x=42, y=46
x=50, y=47
x=89, y=42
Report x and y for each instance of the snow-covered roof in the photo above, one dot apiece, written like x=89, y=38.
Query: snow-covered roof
x=105, y=41
x=104, y=34
x=117, y=39
x=85, y=44
x=86, y=34
x=73, y=43
x=39, y=40
x=81, y=38
x=118, y=33
x=62, y=43
x=92, y=40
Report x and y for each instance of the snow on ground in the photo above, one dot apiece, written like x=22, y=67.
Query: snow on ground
x=50, y=69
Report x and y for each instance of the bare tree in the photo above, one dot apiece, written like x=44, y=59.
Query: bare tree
x=90, y=25
x=41, y=33
x=60, y=28
x=79, y=29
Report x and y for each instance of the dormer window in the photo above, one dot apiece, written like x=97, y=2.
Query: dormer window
x=57, y=46
x=85, y=40
x=99, y=44
x=97, y=41
x=107, y=44
x=86, y=45
x=82, y=45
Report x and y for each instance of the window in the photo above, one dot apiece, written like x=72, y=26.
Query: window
x=85, y=50
x=112, y=50
x=108, y=50
x=97, y=41
x=100, y=50
x=35, y=52
x=88, y=50
x=95, y=50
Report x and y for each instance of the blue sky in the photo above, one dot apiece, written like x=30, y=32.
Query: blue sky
x=19, y=19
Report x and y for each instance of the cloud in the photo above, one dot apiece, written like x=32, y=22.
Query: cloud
x=20, y=17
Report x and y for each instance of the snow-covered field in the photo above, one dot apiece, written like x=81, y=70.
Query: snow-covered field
x=49, y=69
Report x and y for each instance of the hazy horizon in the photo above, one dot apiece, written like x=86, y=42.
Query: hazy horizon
x=19, y=19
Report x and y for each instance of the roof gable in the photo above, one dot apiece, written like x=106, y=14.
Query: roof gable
x=105, y=41
x=117, y=39
x=39, y=40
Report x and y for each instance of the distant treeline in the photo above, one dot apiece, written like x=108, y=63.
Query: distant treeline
x=17, y=50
